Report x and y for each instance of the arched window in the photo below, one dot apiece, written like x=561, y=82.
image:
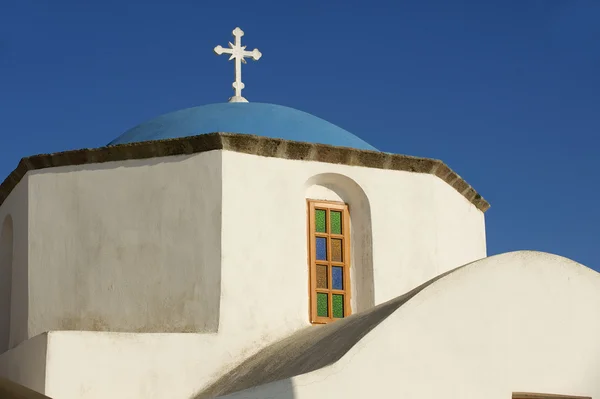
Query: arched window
x=329, y=260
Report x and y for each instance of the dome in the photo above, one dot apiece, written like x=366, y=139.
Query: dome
x=267, y=120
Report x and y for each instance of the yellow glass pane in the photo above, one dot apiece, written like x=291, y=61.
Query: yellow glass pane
x=322, y=276
x=336, y=250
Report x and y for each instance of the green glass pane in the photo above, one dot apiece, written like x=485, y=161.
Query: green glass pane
x=338, y=306
x=336, y=222
x=322, y=305
x=320, y=221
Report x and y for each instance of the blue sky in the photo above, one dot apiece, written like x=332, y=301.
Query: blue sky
x=505, y=92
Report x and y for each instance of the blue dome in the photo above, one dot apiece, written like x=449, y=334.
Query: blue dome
x=267, y=120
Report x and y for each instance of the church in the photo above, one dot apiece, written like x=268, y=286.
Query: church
x=250, y=250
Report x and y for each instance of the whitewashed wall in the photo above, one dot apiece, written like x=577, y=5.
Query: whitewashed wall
x=420, y=227
x=6, y=265
x=110, y=243
x=517, y=322
x=14, y=241
x=130, y=246
x=26, y=364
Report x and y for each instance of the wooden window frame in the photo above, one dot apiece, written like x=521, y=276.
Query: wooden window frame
x=531, y=395
x=312, y=205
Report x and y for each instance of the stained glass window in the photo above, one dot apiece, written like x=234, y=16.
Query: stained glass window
x=329, y=268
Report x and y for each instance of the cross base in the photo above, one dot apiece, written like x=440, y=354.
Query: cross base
x=238, y=99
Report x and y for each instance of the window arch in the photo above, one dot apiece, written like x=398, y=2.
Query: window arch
x=6, y=261
x=338, y=188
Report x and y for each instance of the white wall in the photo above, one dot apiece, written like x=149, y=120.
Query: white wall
x=137, y=245
x=6, y=264
x=129, y=246
x=96, y=365
x=26, y=364
x=421, y=227
x=517, y=322
x=15, y=218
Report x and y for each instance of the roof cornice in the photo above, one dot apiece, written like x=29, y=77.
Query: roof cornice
x=247, y=144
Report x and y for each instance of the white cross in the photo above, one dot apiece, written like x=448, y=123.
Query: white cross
x=238, y=52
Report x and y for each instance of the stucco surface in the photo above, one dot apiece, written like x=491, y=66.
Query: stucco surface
x=25, y=365
x=14, y=256
x=523, y=321
x=307, y=350
x=118, y=257
x=12, y=390
x=206, y=242
x=418, y=227
x=518, y=322
x=6, y=264
x=134, y=246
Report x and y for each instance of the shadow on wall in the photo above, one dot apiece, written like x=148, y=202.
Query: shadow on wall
x=337, y=187
x=282, y=389
x=107, y=166
x=120, y=242
x=12, y=390
x=6, y=261
x=312, y=348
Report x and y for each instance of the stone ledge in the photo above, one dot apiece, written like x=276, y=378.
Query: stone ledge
x=247, y=144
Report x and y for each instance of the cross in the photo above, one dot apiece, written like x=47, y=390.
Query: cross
x=238, y=52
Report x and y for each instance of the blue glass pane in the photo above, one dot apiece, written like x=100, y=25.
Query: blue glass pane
x=337, y=278
x=321, y=248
